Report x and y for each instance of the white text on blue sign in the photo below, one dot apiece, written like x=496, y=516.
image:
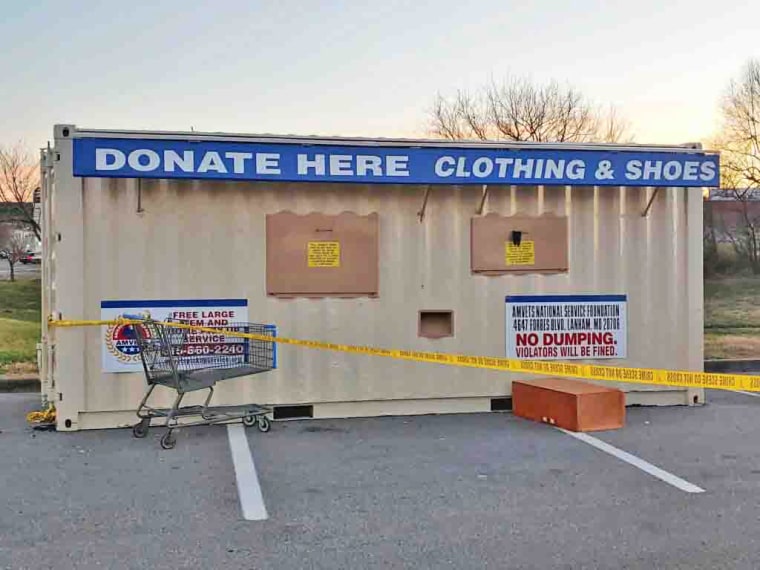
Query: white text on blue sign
x=134, y=158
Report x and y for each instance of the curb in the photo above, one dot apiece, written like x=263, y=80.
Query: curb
x=19, y=385
x=736, y=365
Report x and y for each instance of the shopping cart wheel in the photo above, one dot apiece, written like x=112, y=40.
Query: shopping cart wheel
x=168, y=441
x=140, y=430
x=264, y=424
x=249, y=420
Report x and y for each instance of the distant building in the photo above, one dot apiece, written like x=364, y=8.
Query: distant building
x=726, y=211
x=730, y=194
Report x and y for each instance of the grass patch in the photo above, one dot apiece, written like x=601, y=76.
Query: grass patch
x=18, y=341
x=20, y=300
x=731, y=343
x=19, y=324
x=732, y=318
x=732, y=303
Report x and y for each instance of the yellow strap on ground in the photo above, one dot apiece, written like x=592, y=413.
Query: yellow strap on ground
x=46, y=416
x=679, y=378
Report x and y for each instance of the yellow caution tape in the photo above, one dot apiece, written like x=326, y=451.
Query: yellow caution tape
x=680, y=378
x=46, y=416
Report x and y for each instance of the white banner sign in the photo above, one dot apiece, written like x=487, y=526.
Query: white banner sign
x=120, y=351
x=566, y=327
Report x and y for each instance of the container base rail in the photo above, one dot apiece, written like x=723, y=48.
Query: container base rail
x=173, y=358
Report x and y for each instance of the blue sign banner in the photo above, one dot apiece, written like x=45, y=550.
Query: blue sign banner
x=158, y=158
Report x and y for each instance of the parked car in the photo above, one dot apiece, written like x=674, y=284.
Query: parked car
x=30, y=257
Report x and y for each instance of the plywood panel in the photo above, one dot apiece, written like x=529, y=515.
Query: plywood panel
x=322, y=255
x=542, y=247
x=569, y=404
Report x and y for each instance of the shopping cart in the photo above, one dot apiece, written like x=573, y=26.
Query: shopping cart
x=185, y=361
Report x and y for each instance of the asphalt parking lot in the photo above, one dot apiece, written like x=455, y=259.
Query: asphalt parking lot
x=20, y=271
x=466, y=491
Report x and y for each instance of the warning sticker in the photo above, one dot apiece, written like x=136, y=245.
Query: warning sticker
x=523, y=254
x=324, y=254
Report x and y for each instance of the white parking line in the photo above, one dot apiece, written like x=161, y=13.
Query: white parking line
x=753, y=394
x=251, y=499
x=636, y=462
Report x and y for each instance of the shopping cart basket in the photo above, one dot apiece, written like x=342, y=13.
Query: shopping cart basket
x=184, y=360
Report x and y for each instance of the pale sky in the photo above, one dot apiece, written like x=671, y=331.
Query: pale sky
x=358, y=67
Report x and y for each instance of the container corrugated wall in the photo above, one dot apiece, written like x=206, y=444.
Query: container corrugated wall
x=169, y=239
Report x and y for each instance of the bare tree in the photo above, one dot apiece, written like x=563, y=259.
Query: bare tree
x=19, y=177
x=740, y=136
x=518, y=110
x=739, y=142
x=12, y=246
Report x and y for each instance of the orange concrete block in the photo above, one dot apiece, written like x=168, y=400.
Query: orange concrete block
x=569, y=404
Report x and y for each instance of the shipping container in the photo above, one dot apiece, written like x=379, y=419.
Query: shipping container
x=422, y=261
